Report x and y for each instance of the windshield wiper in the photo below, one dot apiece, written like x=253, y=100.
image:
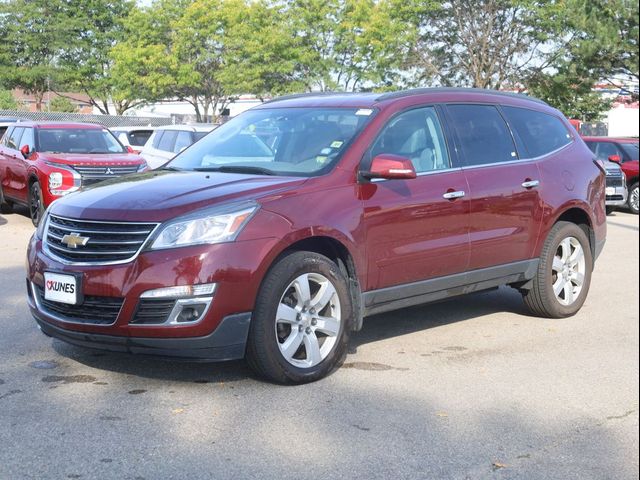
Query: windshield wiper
x=171, y=169
x=237, y=169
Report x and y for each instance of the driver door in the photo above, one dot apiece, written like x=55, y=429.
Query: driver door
x=413, y=231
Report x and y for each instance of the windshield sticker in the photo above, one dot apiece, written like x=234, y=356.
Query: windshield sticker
x=321, y=159
x=336, y=144
x=364, y=111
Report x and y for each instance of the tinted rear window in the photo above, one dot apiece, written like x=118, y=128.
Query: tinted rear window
x=138, y=138
x=483, y=133
x=540, y=132
x=168, y=140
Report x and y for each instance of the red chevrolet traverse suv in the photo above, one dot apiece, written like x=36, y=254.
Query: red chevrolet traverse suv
x=43, y=161
x=273, y=236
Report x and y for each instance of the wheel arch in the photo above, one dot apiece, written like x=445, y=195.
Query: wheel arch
x=338, y=252
x=580, y=217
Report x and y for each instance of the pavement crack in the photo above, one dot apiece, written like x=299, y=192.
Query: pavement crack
x=617, y=417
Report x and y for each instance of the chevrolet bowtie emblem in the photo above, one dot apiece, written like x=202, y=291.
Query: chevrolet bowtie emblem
x=73, y=240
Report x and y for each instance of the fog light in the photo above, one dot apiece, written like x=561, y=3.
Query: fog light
x=191, y=313
x=181, y=291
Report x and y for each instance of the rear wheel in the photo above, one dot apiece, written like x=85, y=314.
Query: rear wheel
x=36, y=203
x=609, y=210
x=633, y=198
x=562, y=282
x=300, y=324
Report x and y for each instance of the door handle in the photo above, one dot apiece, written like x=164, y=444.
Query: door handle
x=454, y=195
x=531, y=183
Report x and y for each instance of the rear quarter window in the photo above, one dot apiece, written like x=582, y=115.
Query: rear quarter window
x=540, y=132
x=167, y=141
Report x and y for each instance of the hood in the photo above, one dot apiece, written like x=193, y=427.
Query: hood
x=93, y=159
x=158, y=196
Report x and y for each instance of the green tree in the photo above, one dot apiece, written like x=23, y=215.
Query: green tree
x=62, y=104
x=86, y=63
x=7, y=100
x=34, y=32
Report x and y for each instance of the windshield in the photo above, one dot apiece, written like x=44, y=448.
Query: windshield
x=77, y=140
x=630, y=149
x=278, y=141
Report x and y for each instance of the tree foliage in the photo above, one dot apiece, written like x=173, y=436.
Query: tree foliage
x=122, y=53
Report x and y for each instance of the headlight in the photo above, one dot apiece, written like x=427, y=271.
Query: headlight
x=215, y=225
x=55, y=180
x=42, y=225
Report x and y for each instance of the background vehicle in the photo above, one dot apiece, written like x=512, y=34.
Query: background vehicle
x=166, y=142
x=274, y=236
x=43, y=161
x=617, y=193
x=625, y=152
x=6, y=122
x=134, y=137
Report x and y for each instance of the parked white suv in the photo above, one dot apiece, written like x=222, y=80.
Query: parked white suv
x=167, y=141
x=134, y=137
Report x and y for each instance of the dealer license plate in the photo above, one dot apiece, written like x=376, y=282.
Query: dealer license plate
x=61, y=288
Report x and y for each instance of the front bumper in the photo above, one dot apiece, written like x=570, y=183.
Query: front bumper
x=617, y=196
x=220, y=334
x=227, y=342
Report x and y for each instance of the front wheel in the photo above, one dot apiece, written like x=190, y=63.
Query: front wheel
x=562, y=281
x=5, y=205
x=300, y=325
x=633, y=198
x=36, y=203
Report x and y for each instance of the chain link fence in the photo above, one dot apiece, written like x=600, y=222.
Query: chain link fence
x=106, y=120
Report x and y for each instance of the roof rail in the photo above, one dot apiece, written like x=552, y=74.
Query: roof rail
x=302, y=95
x=420, y=91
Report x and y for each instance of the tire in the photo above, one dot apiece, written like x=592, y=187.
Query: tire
x=562, y=243
x=609, y=210
x=284, y=317
x=633, y=198
x=5, y=205
x=36, y=203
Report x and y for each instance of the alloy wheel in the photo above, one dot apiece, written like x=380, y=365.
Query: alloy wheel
x=308, y=320
x=568, y=271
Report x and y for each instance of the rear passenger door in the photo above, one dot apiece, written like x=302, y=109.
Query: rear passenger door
x=504, y=201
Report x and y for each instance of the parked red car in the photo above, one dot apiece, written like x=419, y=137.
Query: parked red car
x=625, y=152
x=43, y=161
x=273, y=236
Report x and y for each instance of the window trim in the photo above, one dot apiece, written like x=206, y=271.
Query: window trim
x=365, y=161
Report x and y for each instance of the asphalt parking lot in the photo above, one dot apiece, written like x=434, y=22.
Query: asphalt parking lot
x=465, y=389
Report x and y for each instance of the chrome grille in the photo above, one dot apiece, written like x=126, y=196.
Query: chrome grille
x=615, y=180
x=108, y=242
x=94, y=174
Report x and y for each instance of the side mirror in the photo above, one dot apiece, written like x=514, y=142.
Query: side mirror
x=615, y=158
x=389, y=166
x=25, y=151
x=130, y=150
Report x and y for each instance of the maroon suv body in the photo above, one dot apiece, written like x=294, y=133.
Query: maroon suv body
x=278, y=232
x=43, y=161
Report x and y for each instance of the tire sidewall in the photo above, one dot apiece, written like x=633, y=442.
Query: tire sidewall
x=35, y=189
x=277, y=279
x=564, y=230
x=633, y=187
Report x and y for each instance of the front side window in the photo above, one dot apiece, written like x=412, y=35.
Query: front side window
x=78, y=140
x=417, y=135
x=27, y=139
x=168, y=140
x=13, y=138
x=540, y=132
x=631, y=151
x=483, y=134
x=183, y=140
x=606, y=149
x=276, y=141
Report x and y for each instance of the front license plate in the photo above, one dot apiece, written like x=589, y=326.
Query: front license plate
x=610, y=191
x=61, y=288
